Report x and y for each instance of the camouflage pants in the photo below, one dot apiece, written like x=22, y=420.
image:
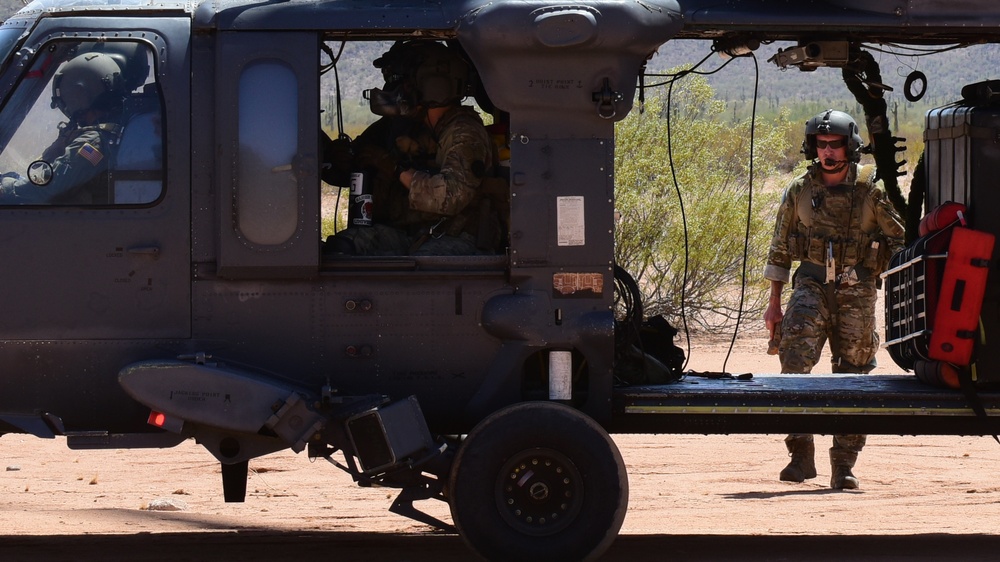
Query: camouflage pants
x=810, y=321
x=385, y=240
x=461, y=245
x=374, y=240
x=847, y=443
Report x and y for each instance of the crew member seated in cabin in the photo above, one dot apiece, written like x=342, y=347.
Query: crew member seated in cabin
x=429, y=161
x=73, y=170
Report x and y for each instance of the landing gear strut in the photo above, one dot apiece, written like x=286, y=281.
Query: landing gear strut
x=234, y=481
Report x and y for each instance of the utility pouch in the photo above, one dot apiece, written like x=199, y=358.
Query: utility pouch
x=871, y=248
x=796, y=247
x=816, y=250
x=851, y=251
x=884, y=257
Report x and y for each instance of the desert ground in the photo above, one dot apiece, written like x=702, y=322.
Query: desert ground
x=692, y=497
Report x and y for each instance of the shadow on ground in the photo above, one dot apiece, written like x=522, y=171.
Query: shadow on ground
x=269, y=545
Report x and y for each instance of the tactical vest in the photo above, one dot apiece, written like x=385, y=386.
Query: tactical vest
x=838, y=220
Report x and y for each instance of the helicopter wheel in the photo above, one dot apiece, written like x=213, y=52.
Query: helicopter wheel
x=538, y=481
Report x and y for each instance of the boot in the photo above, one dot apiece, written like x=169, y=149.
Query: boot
x=841, y=463
x=802, y=465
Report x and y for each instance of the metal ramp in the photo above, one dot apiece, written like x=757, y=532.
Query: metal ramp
x=829, y=404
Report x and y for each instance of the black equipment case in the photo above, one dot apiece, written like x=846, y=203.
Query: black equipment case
x=962, y=163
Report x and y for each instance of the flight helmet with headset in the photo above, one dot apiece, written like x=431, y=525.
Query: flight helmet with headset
x=833, y=122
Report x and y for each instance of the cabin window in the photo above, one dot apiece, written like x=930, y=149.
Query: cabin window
x=267, y=201
x=84, y=127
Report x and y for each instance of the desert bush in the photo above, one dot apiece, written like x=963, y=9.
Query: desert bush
x=709, y=157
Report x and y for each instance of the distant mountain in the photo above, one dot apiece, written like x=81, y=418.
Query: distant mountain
x=8, y=7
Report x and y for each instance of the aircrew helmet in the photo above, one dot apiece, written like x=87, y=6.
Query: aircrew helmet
x=442, y=77
x=833, y=122
x=90, y=80
x=419, y=74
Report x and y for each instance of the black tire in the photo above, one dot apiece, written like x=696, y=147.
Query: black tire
x=538, y=481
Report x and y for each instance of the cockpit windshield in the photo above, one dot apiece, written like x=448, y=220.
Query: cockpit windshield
x=8, y=40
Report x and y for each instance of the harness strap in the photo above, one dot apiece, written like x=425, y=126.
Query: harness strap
x=830, y=290
x=969, y=390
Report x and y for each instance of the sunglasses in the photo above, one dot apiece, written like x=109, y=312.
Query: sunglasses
x=821, y=144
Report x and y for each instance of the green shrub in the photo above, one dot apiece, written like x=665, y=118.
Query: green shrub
x=711, y=164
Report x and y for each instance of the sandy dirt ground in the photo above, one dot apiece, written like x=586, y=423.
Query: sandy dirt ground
x=692, y=498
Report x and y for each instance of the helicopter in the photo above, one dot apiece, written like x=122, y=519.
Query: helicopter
x=186, y=290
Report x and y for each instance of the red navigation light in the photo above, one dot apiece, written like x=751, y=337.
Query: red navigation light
x=164, y=421
x=158, y=419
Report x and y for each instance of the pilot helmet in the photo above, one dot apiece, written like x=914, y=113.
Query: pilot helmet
x=833, y=122
x=90, y=80
x=419, y=74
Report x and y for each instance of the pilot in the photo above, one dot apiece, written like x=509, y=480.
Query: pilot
x=439, y=154
x=73, y=170
x=836, y=221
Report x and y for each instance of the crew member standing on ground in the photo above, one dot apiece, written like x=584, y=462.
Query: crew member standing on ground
x=836, y=221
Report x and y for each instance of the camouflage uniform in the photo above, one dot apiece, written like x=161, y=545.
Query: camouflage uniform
x=465, y=156
x=439, y=214
x=384, y=148
x=80, y=159
x=860, y=226
x=388, y=145
x=855, y=224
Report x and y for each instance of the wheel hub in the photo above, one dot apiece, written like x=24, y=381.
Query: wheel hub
x=539, y=491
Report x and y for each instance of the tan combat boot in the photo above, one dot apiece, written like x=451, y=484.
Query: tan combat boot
x=841, y=463
x=802, y=465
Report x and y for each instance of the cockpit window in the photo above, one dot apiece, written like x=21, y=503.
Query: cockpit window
x=8, y=40
x=83, y=127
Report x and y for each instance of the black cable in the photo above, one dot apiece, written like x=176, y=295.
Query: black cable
x=670, y=157
x=627, y=330
x=334, y=59
x=336, y=81
x=746, y=239
x=628, y=289
x=746, y=243
x=340, y=131
x=681, y=74
x=680, y=200
x=914, y=51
